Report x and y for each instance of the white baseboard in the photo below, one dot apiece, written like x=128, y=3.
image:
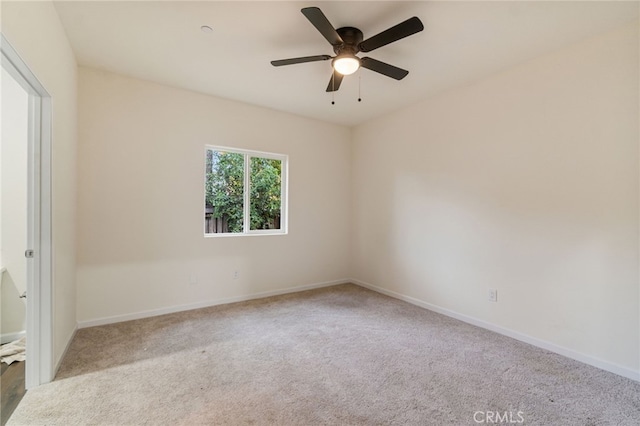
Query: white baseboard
x=10, y=337
x=205, y=304
x=569, y=353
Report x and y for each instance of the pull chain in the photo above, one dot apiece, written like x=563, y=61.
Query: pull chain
x=333, y=87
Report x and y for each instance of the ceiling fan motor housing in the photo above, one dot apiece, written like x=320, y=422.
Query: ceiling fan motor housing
x=352, y=37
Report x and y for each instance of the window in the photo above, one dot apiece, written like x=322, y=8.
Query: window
x=245, y=192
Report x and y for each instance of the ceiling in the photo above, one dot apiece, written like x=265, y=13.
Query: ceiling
x=161, y=41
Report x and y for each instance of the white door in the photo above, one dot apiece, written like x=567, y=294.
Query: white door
x=38, y=250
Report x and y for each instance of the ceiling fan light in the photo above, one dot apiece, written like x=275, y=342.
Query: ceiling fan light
x=346, y=64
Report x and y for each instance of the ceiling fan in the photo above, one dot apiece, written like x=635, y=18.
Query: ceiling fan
x=347, y=41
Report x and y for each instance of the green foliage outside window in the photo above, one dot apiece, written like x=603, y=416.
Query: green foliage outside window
x=225, y=188
x=265, y=193
x=224, y=197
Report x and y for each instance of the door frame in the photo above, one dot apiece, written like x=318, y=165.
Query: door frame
x=39, y=317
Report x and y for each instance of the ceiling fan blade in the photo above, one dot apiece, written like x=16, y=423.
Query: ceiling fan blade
x=301, y=60
x=395, y=33
x=334, y=82
x=322, y=24
x=383, y=68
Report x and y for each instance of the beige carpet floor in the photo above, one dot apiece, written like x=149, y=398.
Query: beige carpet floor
x=340, y=355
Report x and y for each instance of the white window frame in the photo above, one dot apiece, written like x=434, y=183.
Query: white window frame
x=246, y=220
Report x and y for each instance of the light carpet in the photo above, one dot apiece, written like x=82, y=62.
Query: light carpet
x=339, y=355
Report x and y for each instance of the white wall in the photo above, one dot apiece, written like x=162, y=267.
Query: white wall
x=527, y=182
x=13, y=206
x=34, y=30
x=141, y=195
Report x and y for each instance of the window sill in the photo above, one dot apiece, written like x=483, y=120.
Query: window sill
x=239, y=234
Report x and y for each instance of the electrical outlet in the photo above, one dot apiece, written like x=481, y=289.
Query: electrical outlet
x=492, y=295
x=236, y=275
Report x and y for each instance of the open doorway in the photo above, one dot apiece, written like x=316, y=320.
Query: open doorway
x=25, y=219
x=14, y=144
